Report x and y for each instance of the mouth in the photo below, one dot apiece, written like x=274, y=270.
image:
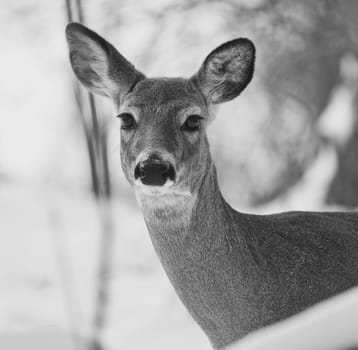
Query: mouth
x=156, y=191
x=170, y=190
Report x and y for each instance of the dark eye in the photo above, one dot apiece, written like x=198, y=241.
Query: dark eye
x=128, y=121
x=192, y=123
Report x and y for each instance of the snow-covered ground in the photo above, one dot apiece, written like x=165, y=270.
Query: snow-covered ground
x=329, y=325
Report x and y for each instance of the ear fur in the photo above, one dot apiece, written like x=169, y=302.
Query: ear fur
x=98, y=65
x=226, y=71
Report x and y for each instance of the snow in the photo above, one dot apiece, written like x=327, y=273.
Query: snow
x=330, y=325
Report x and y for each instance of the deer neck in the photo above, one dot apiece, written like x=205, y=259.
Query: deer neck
x=200, y=241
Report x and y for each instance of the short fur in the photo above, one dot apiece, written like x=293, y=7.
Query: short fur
x=234, y=272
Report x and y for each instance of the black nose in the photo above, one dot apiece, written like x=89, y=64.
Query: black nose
x=154, y=172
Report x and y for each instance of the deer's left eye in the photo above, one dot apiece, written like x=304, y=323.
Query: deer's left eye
x=192, y=123
x=128, y=121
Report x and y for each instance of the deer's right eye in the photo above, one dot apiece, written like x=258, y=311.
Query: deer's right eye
x=128, y=121
x=192, y=123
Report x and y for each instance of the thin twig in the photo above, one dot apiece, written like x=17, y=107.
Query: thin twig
x=69, y=11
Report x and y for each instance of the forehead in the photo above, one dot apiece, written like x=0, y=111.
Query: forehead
x=164, y=93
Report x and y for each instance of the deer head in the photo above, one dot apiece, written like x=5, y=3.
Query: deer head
x=164, y=148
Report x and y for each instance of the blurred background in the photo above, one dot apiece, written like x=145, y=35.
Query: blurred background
x=77, y=269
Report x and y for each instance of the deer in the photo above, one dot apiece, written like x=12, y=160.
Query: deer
x=234, y=272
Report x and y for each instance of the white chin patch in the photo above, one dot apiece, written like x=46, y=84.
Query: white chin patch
x=167, y=190
x=168, y=197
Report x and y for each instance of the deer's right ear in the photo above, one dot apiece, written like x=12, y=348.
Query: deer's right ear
x=98, y=65
x=226, y=71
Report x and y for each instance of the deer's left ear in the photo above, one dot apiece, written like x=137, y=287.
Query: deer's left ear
x=226, y=71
